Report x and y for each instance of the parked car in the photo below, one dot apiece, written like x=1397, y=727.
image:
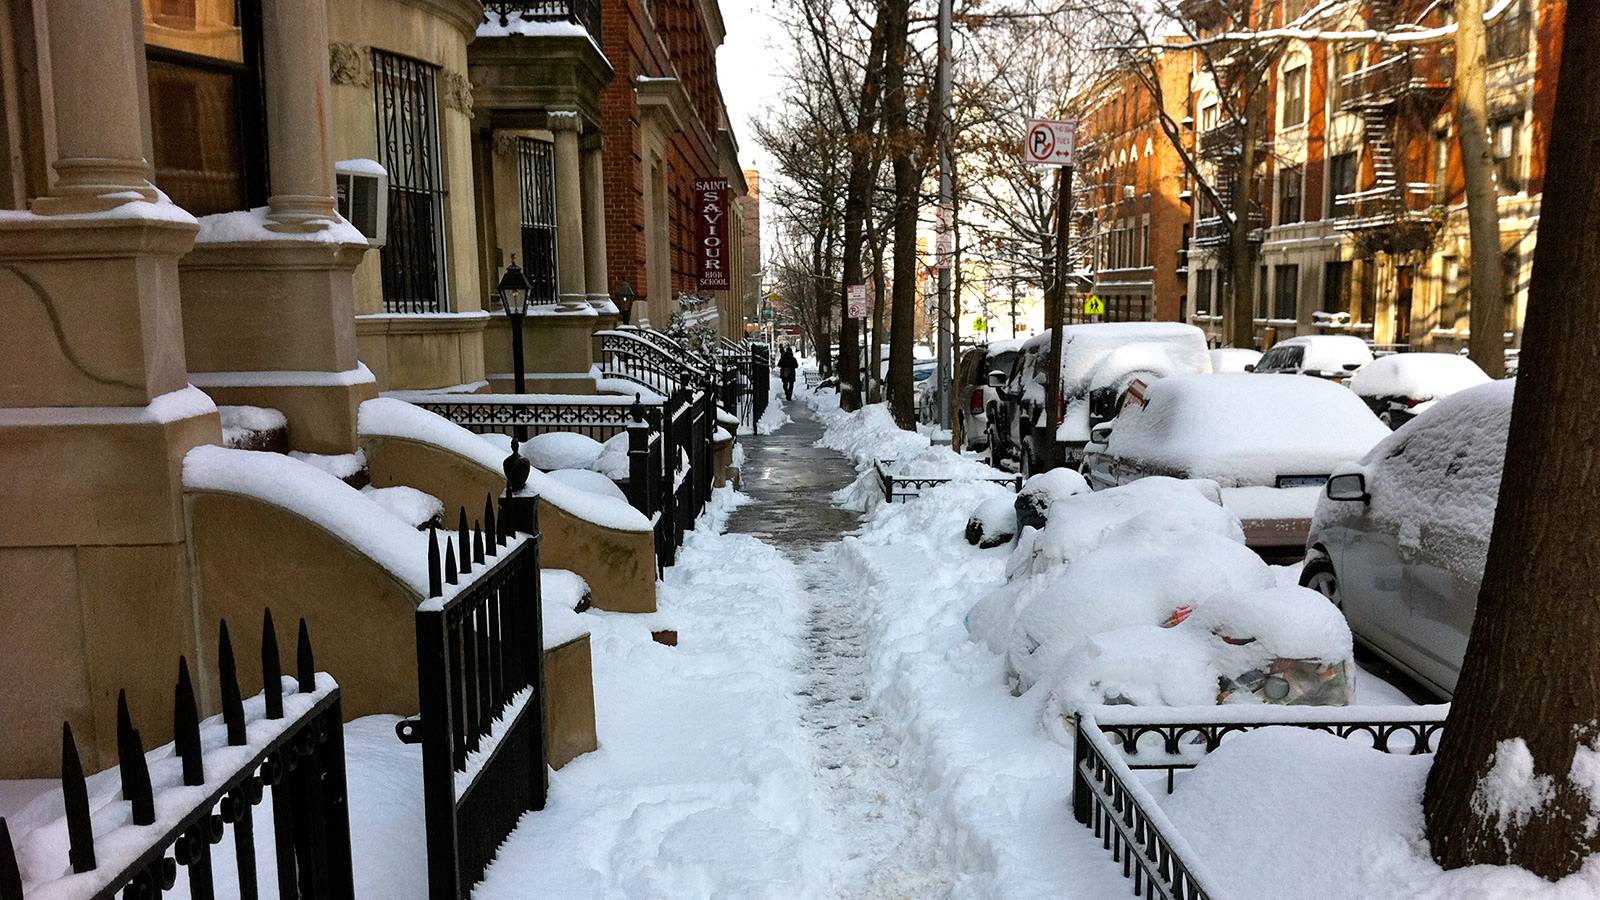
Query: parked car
x=1400, y=386
x=981, y=371
x=924, y=387
x=1270, y=443
x=1331, y=356
x=1399, y=540
x=1098, y=362
x=1233, y=360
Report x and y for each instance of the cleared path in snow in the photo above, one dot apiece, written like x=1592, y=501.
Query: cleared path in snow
x=895, y=848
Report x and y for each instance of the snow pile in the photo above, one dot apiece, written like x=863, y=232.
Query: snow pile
x=561, y=450
x=1043, y=490
x=1242, y=430
x=250, y=225
x=1436, y=480
x=1296, y=814
x=993, y=523
x=397, y=418
x=1153, y=506
x=241, y=425
x=940, y=462
x=870, y=434
x=1417, y=375
x=613, y=459
x=565, y=594
x=593, y=482
x=339, y=465
x=408, y=504
x=318, y=497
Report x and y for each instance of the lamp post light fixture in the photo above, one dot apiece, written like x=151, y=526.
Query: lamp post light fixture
x=624, y=299
x=514, y=288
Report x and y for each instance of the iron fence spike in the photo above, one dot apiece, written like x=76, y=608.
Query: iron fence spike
x=306, y=668
x=449, y=561
x=134, y=769
x=271, y=667
x=232, y=700
x=435, y=585
x=489, y=525
x=75, y=796
x=477, y=543
x=10, y=875
x=186, y=726
x=462, y=546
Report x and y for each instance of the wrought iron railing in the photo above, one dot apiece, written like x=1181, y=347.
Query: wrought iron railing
x=583, y=12
x=291, y=745
x=1115, y=742
x=652, y=360
x=480, y=686
x=600, y=417
x=903, y=487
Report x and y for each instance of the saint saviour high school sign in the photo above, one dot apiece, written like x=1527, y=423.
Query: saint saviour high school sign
x=711, y=205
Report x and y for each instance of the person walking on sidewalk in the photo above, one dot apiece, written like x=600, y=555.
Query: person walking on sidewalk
x=787, y=365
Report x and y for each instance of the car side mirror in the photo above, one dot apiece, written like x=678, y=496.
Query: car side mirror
x=997, y=378
x=1249, y=367
x=1351, y=367
x=1100, y=434
x=1349, y=486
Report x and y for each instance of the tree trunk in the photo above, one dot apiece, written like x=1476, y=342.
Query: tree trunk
x=879, y=307
x=907, y=192
x=823, y=298
x=1529, y=673
x=1487, y=345
x=857, y=204
x=1241, y=256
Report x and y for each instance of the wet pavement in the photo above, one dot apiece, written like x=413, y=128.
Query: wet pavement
x=791, y=481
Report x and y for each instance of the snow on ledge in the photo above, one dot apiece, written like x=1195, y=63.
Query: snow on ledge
x=359, y=375
x=319, y=498
x=173, y=406
x=162, y=210
x=250, y=226
x=387, y=417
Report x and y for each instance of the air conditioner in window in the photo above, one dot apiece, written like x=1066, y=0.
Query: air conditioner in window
x=363, y=188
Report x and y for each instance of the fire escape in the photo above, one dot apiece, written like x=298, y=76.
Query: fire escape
x=1396, y=94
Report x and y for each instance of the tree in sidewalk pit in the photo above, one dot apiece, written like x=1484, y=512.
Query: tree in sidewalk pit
x=1486, y=345
x=1527, y=706
x=907, y=151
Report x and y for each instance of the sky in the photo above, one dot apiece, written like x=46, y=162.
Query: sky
x=747, y=65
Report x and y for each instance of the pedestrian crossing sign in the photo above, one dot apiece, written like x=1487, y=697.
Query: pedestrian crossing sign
x=1094, y=306
x=979, y=324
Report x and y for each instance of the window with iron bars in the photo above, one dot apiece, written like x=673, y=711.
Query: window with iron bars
x=536, y=172
x=413, y=259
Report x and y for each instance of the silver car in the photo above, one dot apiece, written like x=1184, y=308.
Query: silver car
x=1399, y=539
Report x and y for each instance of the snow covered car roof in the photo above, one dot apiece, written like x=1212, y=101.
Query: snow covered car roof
x=1245, y=429
x=1083, y=346
x=1233, y=359
x=1329, y=352
x=1417, y=375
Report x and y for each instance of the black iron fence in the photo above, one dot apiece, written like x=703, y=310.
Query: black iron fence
x=583, y=12
x=1113, y=743
x=600, y=417
x=480, y=683
x=904, y=487
x=293, y=748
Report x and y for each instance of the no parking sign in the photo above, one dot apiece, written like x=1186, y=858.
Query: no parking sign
x=1048, y=142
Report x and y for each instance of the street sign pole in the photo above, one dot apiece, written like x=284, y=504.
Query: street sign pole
x=1051, y=143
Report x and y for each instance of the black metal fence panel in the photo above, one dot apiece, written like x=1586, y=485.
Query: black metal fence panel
x=480, y=683
x=292, y=747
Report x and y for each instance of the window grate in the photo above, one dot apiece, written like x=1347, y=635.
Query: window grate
x=536, y=171
x=408, y=144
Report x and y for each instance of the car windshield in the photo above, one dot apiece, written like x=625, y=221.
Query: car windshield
x=921, y=374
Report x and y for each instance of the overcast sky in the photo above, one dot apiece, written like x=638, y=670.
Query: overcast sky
x=746, y=65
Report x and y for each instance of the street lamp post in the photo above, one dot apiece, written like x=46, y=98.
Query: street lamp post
x=624, y=299
x=514, y=289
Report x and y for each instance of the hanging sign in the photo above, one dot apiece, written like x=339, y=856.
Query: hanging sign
x=857, y=296
x=1048, y=142
x=711, y=207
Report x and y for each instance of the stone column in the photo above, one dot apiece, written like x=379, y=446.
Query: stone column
x=96, y=70
x=572, y=274
x=594, y=223
x=294, y=39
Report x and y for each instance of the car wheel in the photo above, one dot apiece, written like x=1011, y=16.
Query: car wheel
x=1319, y=576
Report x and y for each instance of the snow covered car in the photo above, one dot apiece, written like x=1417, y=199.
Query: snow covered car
x=924, y=388
x=1233, y=360
x=1098, y=361
x=1330, y=356
x=1400, y=386
x=1399, y=540
x=1282, y=645
x=980, y=372
x=1269, y=442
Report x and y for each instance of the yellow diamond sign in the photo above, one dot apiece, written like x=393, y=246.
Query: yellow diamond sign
x=1094, y=306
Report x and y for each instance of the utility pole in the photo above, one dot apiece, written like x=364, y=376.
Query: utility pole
x=1055, y=316
x=945, y=240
